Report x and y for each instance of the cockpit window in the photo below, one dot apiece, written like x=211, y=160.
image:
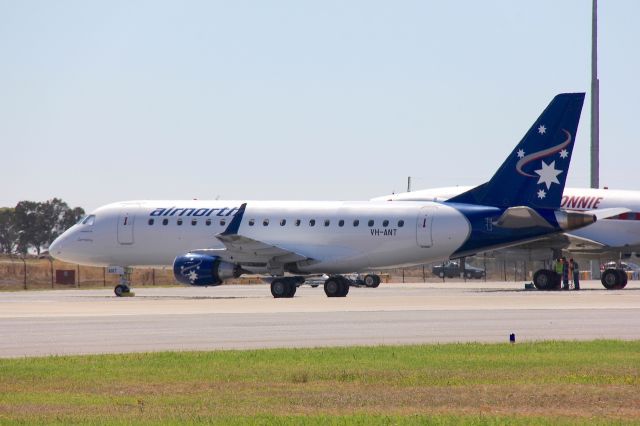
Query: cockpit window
x=89, y=220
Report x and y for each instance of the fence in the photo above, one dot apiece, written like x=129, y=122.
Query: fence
x=33, y=273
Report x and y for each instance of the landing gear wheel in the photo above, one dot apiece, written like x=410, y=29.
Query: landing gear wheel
x=292, y=289
x=285, y=287
x=625, y=278
x=614, y=279
x=377, y=281
x=545, y=279
x=336, y=286
x=279, y=289
x=345, y=287
x=371, y=280
x=332, y=287
x=120, y=290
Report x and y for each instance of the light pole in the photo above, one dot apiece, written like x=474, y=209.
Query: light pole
x=595, y=100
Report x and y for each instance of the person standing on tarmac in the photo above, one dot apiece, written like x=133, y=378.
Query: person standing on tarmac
x=558, y=269
x=575, y=270
x=565, y=273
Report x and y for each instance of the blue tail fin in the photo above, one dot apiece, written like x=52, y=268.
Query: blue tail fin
x=535, y=172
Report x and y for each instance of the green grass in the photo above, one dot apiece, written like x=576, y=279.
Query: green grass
x=530, y=383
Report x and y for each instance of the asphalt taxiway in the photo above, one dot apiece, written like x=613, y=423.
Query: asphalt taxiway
x=37, y=323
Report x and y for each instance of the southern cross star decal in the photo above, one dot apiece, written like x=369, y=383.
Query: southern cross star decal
x=564, y=154
x=520, y=153
x=542, y=129
x=542, y=194
x=548, y=174
x=193, y=276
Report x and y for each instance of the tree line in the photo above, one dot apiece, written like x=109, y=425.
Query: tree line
x=32, y=225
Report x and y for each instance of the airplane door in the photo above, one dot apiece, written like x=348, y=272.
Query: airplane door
x=125, y=227
x=424, y=236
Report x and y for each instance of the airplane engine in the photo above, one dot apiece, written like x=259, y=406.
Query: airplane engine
x=203, y=270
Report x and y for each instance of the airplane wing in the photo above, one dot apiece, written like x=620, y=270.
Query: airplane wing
x=241, y=249
x=248, y=252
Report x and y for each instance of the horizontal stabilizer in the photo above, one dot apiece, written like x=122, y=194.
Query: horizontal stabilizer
x=521, y=217
x=608, y=213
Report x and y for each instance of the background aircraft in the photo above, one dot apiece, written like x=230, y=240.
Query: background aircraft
x=210, y=241
x=616, y=237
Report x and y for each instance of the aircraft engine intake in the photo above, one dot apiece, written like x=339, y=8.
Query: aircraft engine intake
x=202, y=270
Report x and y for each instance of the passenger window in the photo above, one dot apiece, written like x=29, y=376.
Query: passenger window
x=251, y=222
x=341, y=223
x=165, y=221
x=222, y=222
x=400, y=223
x=356, y=222
x=179, y=222
x=151, y=221
x=283, y=222
x=265, y=222
x=327, y=222
x=194, y=222
x=385, y=223
x=298, y=222
x=370, y=222
x=312, y=222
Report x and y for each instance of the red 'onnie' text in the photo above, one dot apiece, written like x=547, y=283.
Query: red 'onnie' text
x=577, y=202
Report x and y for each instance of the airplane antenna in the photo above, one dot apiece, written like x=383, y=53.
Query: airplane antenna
x=595, y=101
x=409, y=184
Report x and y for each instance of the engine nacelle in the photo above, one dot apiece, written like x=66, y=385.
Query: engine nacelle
x=203, y=270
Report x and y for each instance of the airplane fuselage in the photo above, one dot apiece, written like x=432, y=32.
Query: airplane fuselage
x=339, y=236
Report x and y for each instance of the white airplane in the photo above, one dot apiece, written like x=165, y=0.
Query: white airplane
x=617, y=237
x=208, y=242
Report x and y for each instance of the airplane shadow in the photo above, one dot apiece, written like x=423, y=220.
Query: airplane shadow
x=524, y=290
x=137, y=297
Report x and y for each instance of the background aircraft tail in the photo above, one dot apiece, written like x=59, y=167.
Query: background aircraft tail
x=535, y=172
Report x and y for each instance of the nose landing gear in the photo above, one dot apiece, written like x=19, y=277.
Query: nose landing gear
x=123, y=289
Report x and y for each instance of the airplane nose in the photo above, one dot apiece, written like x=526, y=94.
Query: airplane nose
x=55, y=248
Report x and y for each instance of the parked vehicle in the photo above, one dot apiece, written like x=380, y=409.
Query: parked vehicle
x=627, y=266
x=451, y=269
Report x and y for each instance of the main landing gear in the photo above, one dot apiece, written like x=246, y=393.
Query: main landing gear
x=285, y=286
x=338, y=285
x=614, y=279
x=545, y=279
x=334, y=286
x=371, y=280
x=611, y=279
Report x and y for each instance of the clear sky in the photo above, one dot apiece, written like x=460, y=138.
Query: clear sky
x=102, y=101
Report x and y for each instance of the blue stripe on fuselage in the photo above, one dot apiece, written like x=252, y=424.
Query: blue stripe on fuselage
x=485, y=235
